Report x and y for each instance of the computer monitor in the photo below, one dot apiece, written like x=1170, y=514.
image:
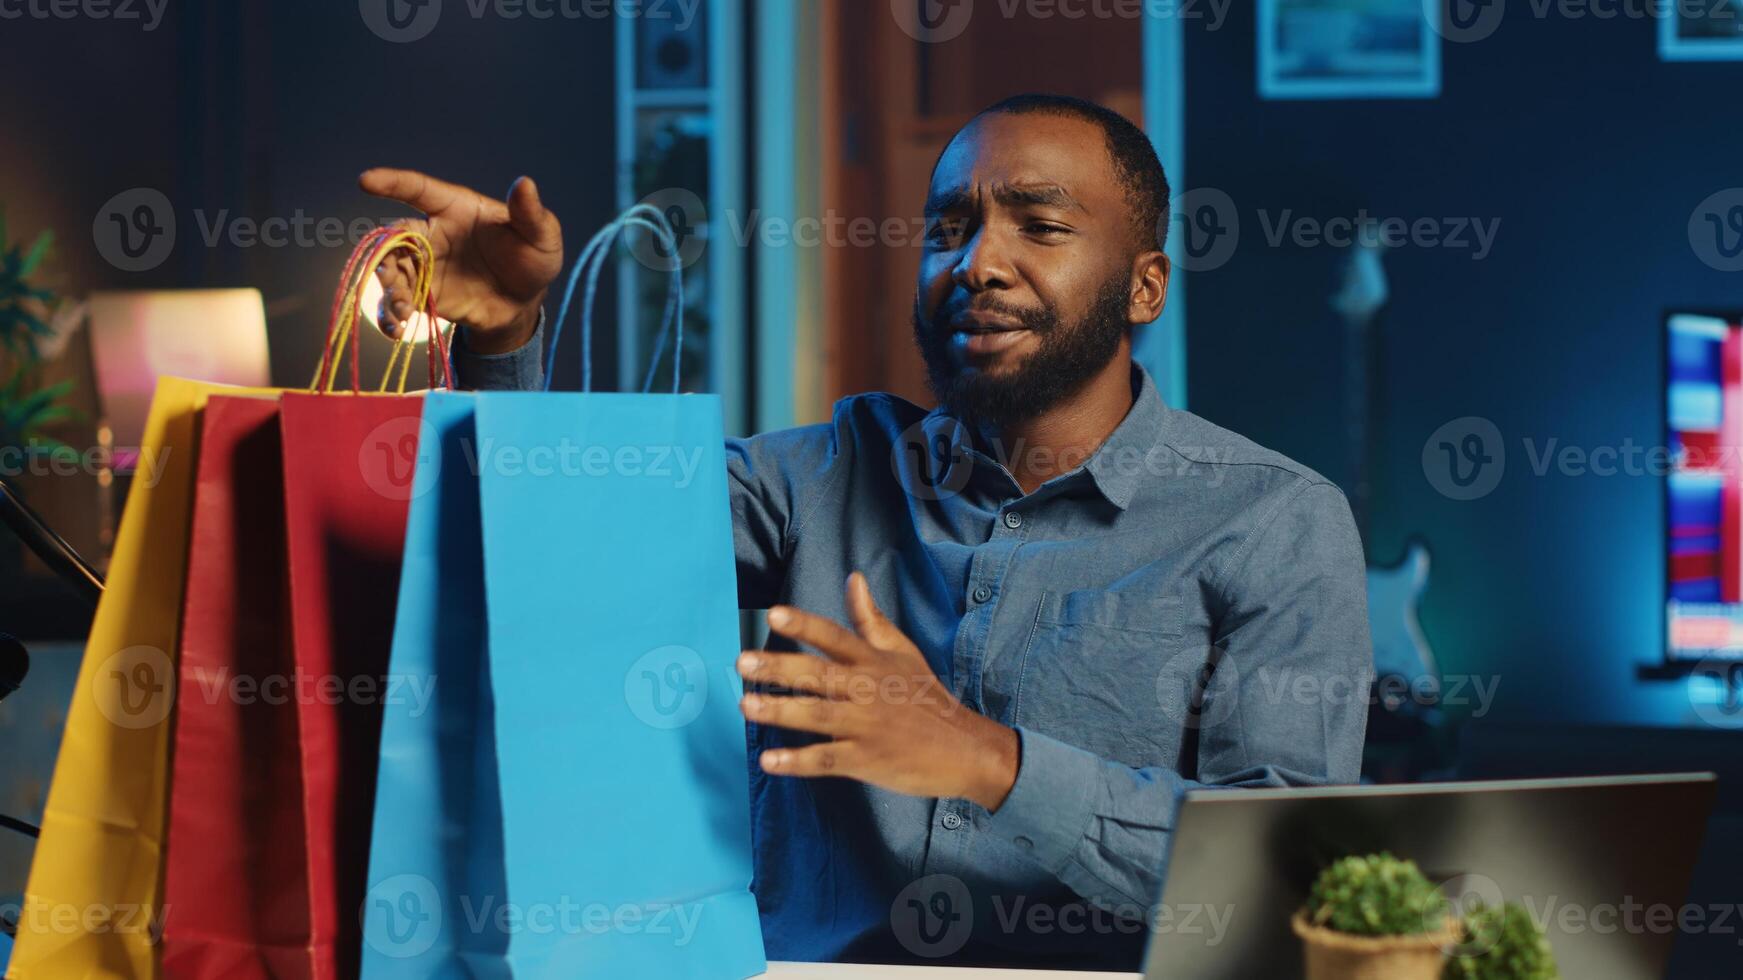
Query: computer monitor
x=1703, y=514
x=1604, y=861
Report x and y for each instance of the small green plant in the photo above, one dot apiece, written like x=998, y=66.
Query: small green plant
x=23, y=305
x=28, y=325
x=1376, y=895
x=1503, y=943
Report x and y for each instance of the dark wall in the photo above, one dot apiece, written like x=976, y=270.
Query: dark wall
x=270, y=110
x=257, y=111
x=1592, y=154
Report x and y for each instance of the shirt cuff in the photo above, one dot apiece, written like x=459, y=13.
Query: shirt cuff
x=1049, y=809
x=521, y=369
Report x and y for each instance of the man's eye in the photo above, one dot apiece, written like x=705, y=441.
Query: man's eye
x=1045, y=228
x=945, y=232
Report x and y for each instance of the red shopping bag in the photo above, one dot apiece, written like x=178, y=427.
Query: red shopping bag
x=294, y=523
x=236, y=894
x=348, y=465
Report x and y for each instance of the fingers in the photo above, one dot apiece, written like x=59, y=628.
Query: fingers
x=836, y=641
x=530, y=218
x=799, y=672
x=824, y=759
x=414, y=189
x=818, y=715
x=397, y=274
x=869, y=620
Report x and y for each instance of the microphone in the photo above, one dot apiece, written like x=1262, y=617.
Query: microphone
x=14, y=664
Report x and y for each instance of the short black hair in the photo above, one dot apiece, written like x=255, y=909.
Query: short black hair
x=1134, y=158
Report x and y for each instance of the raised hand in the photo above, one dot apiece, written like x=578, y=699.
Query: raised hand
x=495, y=260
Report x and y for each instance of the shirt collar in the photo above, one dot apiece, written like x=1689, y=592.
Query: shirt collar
x=1117, y=468
x=1120, y=465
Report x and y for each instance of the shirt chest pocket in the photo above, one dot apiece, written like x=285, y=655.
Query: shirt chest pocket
x=1093, y=673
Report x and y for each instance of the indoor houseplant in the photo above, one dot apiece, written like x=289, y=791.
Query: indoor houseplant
x=1501, y=942
x=32, y=329
x=1375, y=917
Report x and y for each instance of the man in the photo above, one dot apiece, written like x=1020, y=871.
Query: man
x=1044, y=571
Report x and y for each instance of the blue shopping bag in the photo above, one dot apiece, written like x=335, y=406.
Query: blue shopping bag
x=570, y=798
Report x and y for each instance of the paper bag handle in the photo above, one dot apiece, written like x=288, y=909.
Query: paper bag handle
x=591, y=262
x=342, y=324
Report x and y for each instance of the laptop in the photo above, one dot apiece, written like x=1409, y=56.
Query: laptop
x=214, y=335
x=1590, y=856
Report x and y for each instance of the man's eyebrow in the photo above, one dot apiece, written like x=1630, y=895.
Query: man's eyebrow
x=1047, y=195
x=952, y=199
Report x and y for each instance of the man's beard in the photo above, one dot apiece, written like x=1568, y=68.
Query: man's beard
x=1067, y=358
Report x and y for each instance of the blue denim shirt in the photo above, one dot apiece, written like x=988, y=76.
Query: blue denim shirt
x=1087, y=615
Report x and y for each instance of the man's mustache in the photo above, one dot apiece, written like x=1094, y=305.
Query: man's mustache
x=1037, y=320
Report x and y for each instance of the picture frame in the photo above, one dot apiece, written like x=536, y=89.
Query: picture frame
x=1347, y=49
x=1715, y=34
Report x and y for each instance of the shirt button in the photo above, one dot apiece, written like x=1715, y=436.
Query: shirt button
x=1025, y=843
x=982, y=594
x=952, y=821
x=1013, y=520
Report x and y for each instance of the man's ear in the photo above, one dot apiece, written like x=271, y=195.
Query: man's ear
x=1151, y=272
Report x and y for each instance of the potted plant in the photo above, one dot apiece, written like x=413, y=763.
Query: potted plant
x=1374, y=917
x=1501, y=942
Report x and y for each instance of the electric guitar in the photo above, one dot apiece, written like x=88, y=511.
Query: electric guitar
x=1394, y=591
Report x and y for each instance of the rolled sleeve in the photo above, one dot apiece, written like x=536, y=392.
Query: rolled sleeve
x=521, y=369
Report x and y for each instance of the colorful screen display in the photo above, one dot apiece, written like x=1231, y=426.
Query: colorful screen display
x=1704, y=493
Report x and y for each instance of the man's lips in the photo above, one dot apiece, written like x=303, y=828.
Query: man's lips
x=980, y=321
x=977, y=333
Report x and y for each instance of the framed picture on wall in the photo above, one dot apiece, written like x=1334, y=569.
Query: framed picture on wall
x=1708, y=31
x=1347, y=49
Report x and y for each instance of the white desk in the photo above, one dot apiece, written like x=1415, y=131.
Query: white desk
x=851, y=971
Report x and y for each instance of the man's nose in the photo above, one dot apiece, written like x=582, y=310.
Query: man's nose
x=983, y=264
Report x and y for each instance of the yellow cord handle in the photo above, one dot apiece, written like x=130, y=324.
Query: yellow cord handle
x=375, y=248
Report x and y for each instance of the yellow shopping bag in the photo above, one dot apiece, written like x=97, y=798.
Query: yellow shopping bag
x=92, y=908
x=92, y=900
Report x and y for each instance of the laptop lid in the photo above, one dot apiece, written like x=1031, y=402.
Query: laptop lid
x=1602, y=861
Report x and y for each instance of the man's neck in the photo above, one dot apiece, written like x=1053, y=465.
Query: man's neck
x=1064, y=437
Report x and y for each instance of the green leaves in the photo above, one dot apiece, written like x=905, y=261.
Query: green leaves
x=20, y=302
x=1505, y=944
x=1376, y=895
x=25, y=413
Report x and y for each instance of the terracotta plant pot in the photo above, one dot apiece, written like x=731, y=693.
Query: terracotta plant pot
x=1333, y=955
